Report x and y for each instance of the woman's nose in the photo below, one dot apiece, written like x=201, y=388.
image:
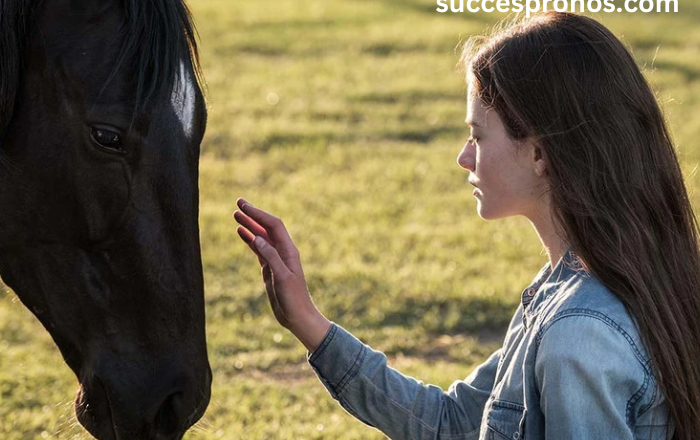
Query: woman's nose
x=466, y=158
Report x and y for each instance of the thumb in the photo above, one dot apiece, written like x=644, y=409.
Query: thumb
x=271, y=257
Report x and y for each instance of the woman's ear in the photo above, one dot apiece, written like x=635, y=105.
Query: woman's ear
x=539, y=162
x=540, y=168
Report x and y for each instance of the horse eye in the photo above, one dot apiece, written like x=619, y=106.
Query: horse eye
x=107, y=139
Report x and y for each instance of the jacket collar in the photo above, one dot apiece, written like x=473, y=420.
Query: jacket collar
x=547, y=280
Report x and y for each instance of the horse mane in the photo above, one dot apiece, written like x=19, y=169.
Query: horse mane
x=157, y=34
x=14, y=18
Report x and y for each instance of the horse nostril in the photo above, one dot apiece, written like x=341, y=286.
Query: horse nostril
x=154, y=406
x=169, y=419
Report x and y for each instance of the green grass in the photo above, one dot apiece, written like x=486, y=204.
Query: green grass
x=345, y=119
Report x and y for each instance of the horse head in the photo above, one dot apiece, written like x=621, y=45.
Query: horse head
x=101, y=118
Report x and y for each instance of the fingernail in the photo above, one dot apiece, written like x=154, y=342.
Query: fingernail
x=247, y=205
x=259, y=241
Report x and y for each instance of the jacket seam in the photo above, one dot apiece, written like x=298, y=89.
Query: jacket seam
x=352, y=371
x=654, y=395
x=633, y=400
x=643, y=361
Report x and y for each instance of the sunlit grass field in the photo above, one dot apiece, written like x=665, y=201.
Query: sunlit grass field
x=345, y=119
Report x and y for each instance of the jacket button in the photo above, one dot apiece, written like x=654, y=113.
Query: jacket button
x=516, y=436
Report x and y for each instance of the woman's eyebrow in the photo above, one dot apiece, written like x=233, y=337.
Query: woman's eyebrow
x=472, y=123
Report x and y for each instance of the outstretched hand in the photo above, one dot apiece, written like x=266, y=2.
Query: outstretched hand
x=282, y=273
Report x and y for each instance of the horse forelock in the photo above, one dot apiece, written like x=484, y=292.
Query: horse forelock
x=14, y=25
x=158, y=35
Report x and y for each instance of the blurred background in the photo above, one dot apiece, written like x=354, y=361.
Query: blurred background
x=345, y=119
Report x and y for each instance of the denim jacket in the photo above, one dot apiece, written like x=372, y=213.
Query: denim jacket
x=572, y=366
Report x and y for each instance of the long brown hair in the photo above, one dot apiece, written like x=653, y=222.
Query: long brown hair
x=567, y=83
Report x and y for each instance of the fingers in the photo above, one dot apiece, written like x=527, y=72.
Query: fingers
x=269, y=287
x=248, y=238
x=272, y=258
x=271, y=224
x=252, y=226
x=272, y=230
x=248, y=230
x=272, y=294
x=267, y=275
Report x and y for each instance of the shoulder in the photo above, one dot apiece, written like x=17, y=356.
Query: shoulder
x=586, y=335
x=585, y=308
x=595, y=361
x=586, y=323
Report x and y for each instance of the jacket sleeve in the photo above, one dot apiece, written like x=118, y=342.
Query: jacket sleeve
x=400, y=406
x=591, y=376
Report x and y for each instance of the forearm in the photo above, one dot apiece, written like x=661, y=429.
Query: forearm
x=398, y=405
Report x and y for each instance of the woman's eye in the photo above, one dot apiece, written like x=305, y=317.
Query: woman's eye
x=107, y=139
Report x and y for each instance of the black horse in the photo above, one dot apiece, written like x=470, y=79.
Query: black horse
x=101, y=118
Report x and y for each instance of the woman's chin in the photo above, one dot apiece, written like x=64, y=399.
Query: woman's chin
x=484, y=216
x=481, y=210
x=487, y=214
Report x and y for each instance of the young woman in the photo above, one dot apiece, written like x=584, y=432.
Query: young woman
x=566, y=132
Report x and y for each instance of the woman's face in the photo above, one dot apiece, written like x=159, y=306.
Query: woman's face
x=507, y=174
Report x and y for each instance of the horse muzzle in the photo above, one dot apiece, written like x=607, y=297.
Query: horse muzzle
x=161, y=404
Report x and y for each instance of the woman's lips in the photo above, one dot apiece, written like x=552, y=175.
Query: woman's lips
x=473, y=182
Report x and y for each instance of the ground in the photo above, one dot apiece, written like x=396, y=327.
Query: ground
x=345, y=119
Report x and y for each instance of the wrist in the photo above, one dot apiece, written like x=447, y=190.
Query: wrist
x=311, y=330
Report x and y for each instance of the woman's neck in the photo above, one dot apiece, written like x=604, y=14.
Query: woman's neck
x=551, y=238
